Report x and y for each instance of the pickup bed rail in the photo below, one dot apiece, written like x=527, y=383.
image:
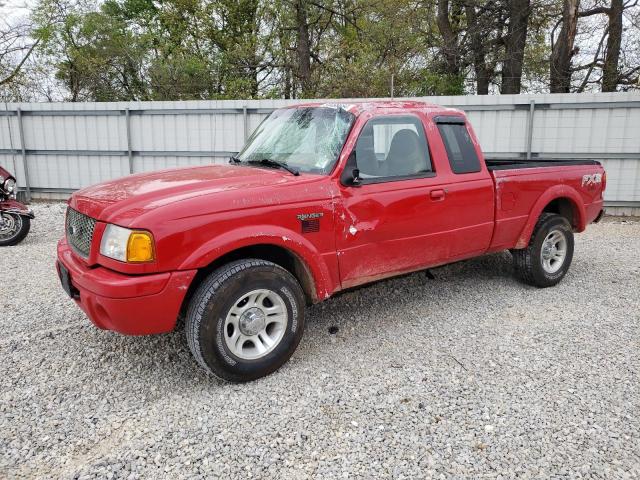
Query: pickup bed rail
x=511, y=163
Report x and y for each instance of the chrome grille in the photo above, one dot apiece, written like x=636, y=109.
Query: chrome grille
x=79, y=229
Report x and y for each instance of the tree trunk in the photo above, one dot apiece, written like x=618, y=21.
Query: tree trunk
x=449, y=39
x=303, y=48
x=287, y=83
x=253, y=24
x=610, y=72
x=562, y=49
x=515, y=41
x=479, y=53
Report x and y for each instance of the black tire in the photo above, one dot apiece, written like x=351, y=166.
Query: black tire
x=528, y=262
x=19, y=235
x=218, y=294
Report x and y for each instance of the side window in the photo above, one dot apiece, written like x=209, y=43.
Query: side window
x=392, y=147
x=460, y=149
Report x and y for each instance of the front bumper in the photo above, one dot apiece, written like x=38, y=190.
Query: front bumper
x=129, y=304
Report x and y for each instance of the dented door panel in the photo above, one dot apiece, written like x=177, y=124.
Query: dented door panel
x=389, y=227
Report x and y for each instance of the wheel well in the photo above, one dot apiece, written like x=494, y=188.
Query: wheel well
x=272, y=253
x=564, y=207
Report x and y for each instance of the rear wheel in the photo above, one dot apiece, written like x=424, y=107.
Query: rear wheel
x=245, y=320
x=13, y=228
x=548, y=256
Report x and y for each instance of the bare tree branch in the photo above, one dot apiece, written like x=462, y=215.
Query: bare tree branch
x=18, y=67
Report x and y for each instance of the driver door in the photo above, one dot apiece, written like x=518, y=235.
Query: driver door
x=394, y=220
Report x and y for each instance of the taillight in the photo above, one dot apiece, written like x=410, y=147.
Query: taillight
x=604, y=181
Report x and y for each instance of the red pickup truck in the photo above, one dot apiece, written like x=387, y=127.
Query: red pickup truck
x=322, y=198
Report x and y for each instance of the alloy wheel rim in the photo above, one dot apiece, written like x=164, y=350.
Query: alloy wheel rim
x=554, y=251
x=10, y=225
x=255, y=324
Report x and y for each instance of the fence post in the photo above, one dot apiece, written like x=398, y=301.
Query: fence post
x=23, y=149
x=245, y=124
x=127, y=118
x=532, y=109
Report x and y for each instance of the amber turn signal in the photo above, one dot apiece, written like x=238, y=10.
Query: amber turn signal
x=140, y=247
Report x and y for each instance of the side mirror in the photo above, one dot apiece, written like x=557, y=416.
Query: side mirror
x=351, y=174
x=355, y=177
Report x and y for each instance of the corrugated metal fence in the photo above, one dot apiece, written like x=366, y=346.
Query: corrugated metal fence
x=55, y=148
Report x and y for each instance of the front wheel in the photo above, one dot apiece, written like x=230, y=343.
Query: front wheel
x=548, y=256
x=245, y=320
x=13, y=228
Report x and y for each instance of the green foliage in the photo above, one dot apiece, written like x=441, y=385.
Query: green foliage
x=441, y=84
x=225, y=49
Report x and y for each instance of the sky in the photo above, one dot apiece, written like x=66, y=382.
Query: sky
x=14, y=9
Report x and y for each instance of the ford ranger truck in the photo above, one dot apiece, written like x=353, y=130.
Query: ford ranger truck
x=323, y=197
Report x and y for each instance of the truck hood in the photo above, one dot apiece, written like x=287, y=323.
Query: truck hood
x=124, y=199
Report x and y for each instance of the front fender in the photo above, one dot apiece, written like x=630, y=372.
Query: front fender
x=266, y=235
x=13, y=206
x=553, y=193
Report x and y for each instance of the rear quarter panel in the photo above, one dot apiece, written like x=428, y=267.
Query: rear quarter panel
x=522, y=195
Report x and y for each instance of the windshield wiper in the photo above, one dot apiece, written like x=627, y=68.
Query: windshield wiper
x=234, y=159
x=275, y=163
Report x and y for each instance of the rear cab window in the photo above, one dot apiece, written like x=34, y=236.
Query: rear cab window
x=461, y=151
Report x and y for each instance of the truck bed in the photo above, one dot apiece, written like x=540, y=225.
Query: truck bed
x=522, y=189
x=512, y=163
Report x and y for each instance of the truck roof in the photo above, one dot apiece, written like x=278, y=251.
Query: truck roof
x=358, y=107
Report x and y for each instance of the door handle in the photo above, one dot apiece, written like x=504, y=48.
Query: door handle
x=437, y=195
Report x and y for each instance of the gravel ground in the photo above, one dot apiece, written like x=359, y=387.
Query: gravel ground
x=470, y=374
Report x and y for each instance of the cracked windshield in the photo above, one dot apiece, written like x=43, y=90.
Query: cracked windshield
x=308, y=139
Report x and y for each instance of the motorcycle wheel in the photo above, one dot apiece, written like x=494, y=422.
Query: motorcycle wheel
x=13, y=228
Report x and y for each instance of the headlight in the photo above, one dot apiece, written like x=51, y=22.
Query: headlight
x=133, y=246
x=9, y=185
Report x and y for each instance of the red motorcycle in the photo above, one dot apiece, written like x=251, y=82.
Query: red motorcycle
x=15, y=218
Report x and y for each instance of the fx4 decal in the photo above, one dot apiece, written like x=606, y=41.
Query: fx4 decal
x=591, y=180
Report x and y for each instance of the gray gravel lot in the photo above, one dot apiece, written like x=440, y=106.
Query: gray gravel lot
x=469, y=375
